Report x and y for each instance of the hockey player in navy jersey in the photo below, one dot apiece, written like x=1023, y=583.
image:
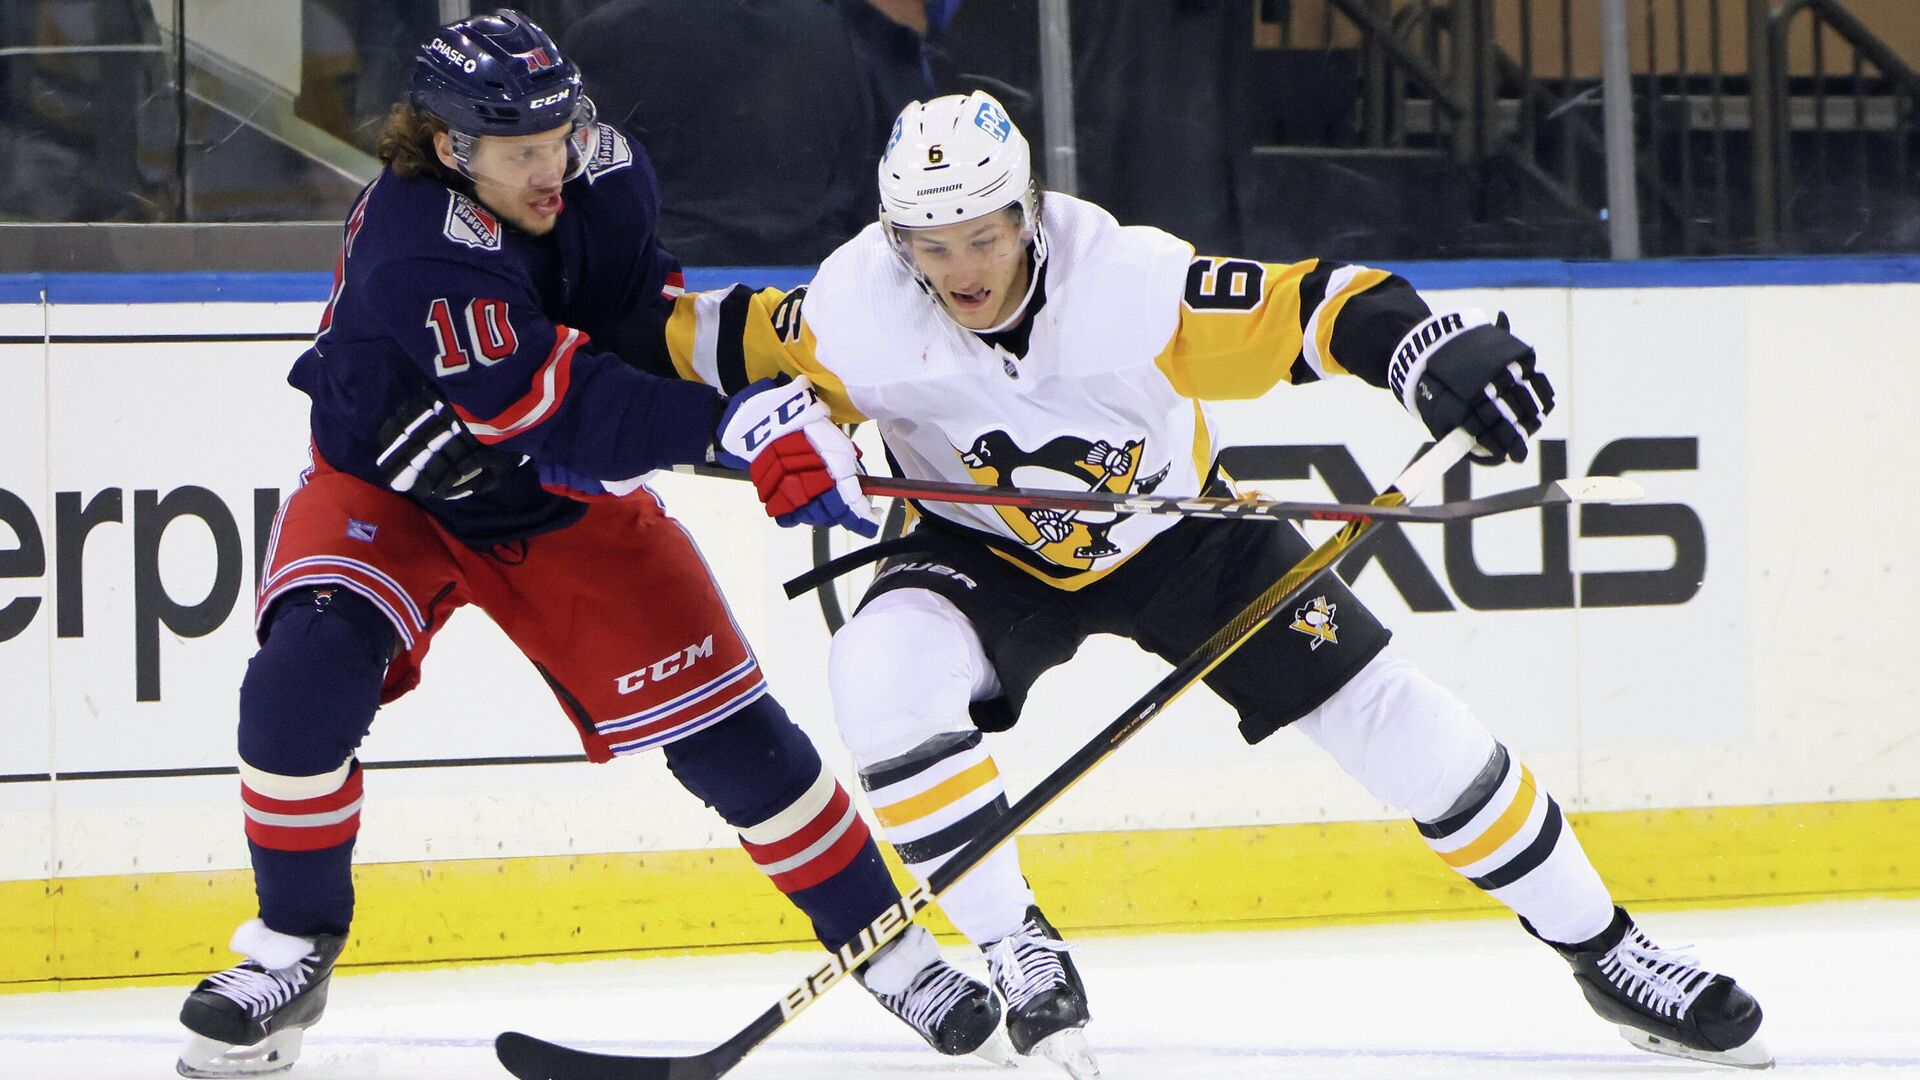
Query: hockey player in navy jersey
x=504, y=267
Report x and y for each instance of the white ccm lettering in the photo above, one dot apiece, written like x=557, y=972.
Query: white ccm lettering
x=666, y=667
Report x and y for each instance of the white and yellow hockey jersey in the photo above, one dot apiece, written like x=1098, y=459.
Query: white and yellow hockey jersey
x=1134, y=335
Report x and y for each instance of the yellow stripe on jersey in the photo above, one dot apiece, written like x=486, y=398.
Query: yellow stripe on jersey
x=774, y=342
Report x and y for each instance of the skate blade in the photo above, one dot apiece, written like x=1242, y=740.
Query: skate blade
x=998, y=1049
x=1752, y=1054
x=1068, y=1049
x=209, y=1059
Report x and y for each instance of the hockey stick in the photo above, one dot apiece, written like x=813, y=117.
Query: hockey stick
x=529, y=1058
x=1584, y=489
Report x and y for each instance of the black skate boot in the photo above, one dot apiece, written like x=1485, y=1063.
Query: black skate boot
x=953, y=1011
x=1046, y=1002
x=249, y=1019
x=1664, y=1001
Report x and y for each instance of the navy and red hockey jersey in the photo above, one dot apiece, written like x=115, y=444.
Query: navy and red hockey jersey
x=537, y=342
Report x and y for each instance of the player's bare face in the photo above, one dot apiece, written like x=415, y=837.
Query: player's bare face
x=518, y=177
x=977, y=268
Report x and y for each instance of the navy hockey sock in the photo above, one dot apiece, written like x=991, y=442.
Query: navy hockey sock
x=306, y=703
x=797, y=822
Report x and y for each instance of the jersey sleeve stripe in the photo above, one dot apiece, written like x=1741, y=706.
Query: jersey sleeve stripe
x=542, y=399
x=1346, y=283
x=691, y=332
x=1380, y=317
x=1313, y=292
x=730, y=351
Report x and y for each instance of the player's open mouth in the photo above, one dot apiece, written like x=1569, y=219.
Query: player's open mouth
x=969, y=300
x=548, y=206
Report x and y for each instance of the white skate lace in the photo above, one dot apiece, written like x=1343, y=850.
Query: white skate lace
x=258, y=990
x=932, y=994
x=1026, y=963
x=1665, y=981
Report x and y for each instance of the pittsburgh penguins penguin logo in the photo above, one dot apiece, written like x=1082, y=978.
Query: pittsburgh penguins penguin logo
x=1316, y=621
x=1076, y=539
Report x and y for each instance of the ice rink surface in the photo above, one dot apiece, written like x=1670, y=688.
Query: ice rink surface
x=1404, y=1001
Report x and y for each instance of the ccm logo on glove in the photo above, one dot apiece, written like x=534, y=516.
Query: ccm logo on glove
x=781, y=417
x=806, y=470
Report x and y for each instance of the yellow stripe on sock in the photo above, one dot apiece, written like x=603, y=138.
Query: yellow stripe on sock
x=1503, y=828
x=939, y=796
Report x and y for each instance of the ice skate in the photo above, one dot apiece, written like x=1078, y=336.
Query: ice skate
x=953, y=1011
x=1046, y=1003
x=1663, y=1001
x=248, y=1020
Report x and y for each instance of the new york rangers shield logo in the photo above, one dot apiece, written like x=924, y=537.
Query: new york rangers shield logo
x=468, y=224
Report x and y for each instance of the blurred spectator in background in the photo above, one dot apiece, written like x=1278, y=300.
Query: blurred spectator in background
x=893, y=38
x=1160, y=102
x=84, y=136
x=762, y=116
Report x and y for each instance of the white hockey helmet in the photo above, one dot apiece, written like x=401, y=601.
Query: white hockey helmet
x=951, y=160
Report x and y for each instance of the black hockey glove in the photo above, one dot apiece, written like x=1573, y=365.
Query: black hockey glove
x=1460, y=369
x=430, y=454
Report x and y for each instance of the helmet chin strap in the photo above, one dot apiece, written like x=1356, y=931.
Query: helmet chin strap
x=1036, y=243
x=1020, y=309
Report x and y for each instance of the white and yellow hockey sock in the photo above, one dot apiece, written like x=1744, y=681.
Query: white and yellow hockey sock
x=1508, y=837
x=1414, y=745
x=930, y=802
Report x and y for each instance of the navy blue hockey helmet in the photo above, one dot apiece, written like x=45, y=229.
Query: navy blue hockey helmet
x=497, y=74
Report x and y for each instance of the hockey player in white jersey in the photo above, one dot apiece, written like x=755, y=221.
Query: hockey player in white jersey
x=1001, y=335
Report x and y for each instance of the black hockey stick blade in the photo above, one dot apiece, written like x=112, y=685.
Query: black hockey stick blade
x=529, y=1058
x=536, y=1059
